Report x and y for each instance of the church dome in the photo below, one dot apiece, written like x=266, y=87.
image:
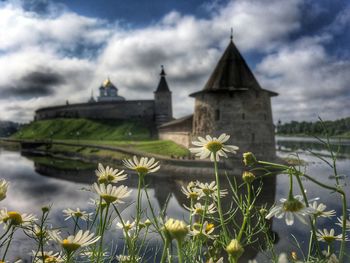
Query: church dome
x=108, y=84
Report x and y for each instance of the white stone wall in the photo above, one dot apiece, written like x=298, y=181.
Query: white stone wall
x=182, y=138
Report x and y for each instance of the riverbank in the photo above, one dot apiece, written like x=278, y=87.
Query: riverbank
x=113, y=155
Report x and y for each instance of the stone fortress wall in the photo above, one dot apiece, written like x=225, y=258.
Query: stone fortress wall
x=141, y=110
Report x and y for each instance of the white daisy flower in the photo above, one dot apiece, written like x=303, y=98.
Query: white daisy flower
x=142, y=166
x=206, y=230
x=220, y=260
x=210, y=189
x=127, y=226
x=47, y=257
x=191, y=191
x=127, y=259
x=290, y=208
x=320, y=210
x=112, y=194
x=109, y=175
x=83, y=215
x=198, y=209
x=340, y=223
x=74, y=242
x=328, y=236
x=3, y=189
x=213, y=147
x=14, y=218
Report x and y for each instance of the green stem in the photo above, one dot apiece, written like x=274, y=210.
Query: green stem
x=290, y=196
x=218, y=199
x=153, y=213
x=7, y=230
x=165, y=251
x=75, y=224
x=312, y=222
x=246, y=214
x=102, y=233
x=8, y=243
x=130, y=249
x=191, y=205
x=138, y=204
x=179, y=251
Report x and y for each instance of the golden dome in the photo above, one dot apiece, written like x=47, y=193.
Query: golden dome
x=107, y=83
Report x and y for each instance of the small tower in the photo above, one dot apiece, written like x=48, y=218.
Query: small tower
x=233, y=102
x=162, y=100
x=92, y=99
x=109, y=92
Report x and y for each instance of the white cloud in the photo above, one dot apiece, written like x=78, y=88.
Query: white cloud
x=311, y=83
x=86, y=50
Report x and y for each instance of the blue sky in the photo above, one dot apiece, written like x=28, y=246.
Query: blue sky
x=51, y=51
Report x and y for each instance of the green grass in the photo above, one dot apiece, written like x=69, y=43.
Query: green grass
x=83, y=129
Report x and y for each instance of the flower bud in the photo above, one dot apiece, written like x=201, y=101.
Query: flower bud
x=45, y=209
x=176, y=228
x=263, y=212
x=248, y=177
x=249, y=159
x=235, y=249
x=3, y=189
x=148, y=222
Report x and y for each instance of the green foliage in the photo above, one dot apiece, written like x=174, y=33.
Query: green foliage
x=84, y=129
x=339, y=128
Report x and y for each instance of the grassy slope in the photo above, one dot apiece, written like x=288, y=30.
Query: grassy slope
x=100, y=132
x=86, y=129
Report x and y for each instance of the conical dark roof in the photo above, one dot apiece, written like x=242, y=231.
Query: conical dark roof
x=231, y=74
x=163, y=85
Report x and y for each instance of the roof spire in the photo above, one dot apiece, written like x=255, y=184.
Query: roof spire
x=231, y=36
x=163, y=85
x=162, y=73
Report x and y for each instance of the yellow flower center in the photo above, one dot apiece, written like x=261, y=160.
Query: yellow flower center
x=199, y=210
x=193, y=195
x=50, y=259
x=293, y=205
x=214, y=146
x=109, y=198
x=40, y=233
x=70, y=247
x=78, y=214
x=102, y=180
x=209, y=227
x=127, y=227
x=141, y=169
x=207, y=191
x=328, y=239
x=14, y=217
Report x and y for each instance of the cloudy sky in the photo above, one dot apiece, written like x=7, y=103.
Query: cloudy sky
x=51, y=51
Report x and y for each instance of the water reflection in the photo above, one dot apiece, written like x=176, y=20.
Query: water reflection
x=37, y=181
x=296, y=144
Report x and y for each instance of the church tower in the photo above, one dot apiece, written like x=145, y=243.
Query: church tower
x=162, y=100
x=233, y=102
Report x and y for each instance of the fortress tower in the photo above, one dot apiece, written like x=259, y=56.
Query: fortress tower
x=233, y=102
x=162, y=101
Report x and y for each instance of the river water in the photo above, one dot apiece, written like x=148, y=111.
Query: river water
x=40, y=181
